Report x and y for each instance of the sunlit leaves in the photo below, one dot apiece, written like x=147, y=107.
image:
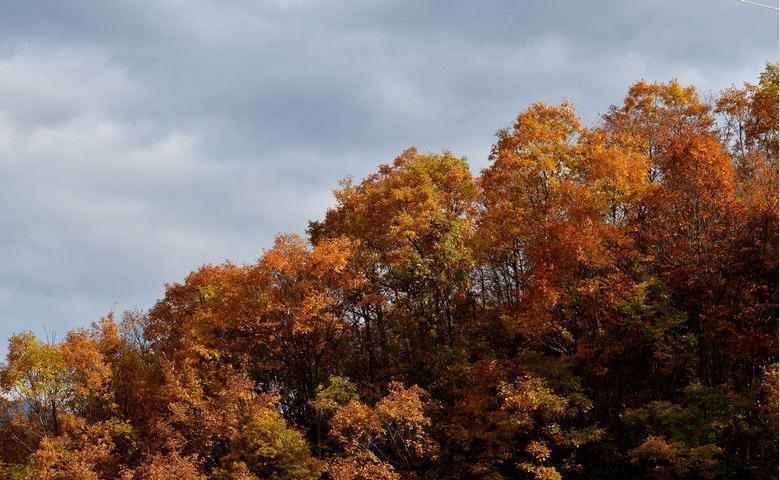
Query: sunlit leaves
x=601, y=302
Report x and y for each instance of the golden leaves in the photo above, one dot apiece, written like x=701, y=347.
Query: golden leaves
x=392, y=435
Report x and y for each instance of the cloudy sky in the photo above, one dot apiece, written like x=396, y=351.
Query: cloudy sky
x=140, y=139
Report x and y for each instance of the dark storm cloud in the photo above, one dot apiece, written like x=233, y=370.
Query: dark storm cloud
x=140, y=139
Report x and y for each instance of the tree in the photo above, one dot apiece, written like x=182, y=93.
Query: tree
x=377, y=442
x=600, y=302
x=412, y=223
x=265, y=447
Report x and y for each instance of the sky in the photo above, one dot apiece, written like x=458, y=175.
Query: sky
x=140, y=139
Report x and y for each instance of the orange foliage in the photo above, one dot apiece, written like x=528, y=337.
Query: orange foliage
x=600, y=302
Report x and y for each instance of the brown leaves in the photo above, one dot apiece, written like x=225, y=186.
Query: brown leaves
x=167, y=467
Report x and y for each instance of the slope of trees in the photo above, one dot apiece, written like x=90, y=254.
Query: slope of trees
x=601, y=302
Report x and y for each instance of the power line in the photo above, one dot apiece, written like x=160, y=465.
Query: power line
x=760, y=4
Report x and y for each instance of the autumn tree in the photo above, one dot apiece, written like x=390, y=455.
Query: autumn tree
x=600, y=302
x=281, y=320
x=380, y=442
x=412, y=223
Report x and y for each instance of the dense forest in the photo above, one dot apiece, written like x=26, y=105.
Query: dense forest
x=601, y=302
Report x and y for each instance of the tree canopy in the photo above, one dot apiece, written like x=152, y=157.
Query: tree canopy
x=599, y=302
